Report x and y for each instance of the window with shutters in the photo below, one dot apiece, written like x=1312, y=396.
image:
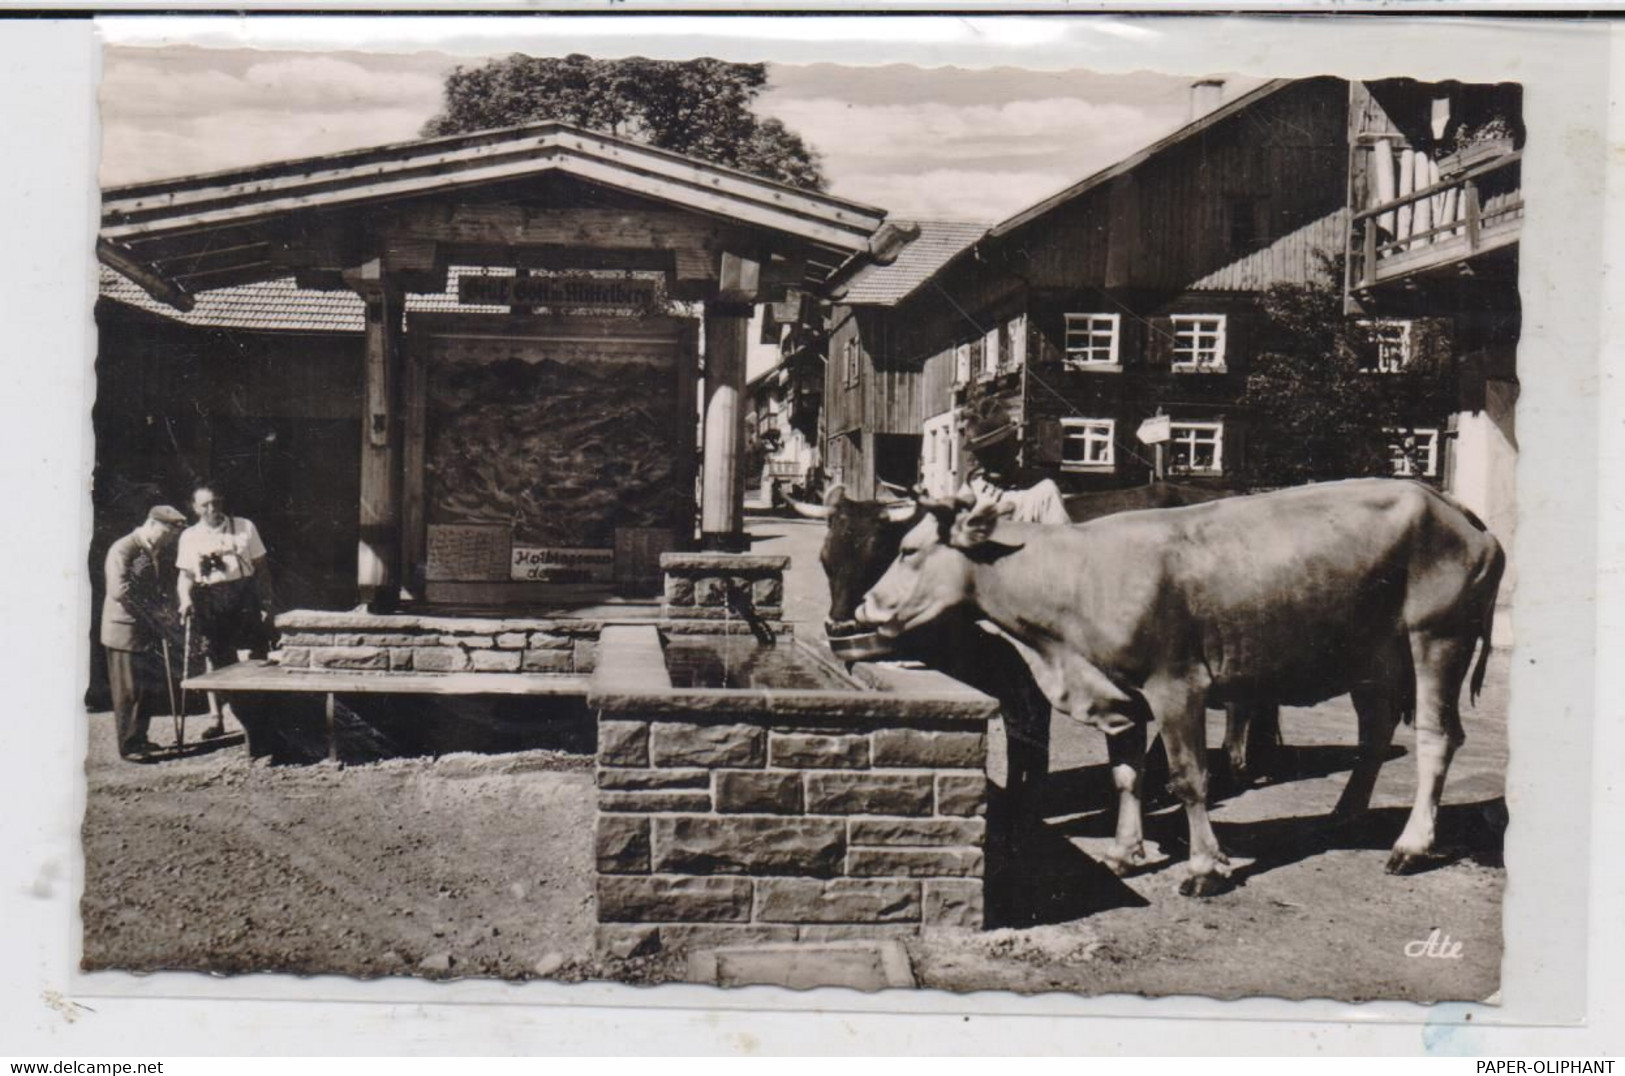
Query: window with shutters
x=1091, y=340
x=1015, y=335
x=976, y=350
x=1196, y=448
x=1198, y=343
x=1087, y=443
x=1414, y=453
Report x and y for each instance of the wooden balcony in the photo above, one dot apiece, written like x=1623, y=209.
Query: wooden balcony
x=1444, y=227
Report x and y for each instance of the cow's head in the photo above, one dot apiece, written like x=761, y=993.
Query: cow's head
x=932, y=571
x=862, y=540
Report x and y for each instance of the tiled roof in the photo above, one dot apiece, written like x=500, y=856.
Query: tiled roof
x=280, y=305
x=937, y=243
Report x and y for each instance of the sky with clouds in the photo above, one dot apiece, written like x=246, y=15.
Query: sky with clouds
x=921, y=142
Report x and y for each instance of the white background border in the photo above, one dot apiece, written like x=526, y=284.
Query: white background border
x=1566, y=830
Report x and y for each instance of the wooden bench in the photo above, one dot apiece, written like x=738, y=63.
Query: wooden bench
x=262, y=678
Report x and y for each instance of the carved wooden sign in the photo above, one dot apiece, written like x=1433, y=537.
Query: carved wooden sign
x=468, y=552
x=541, y=563
x=561, y=291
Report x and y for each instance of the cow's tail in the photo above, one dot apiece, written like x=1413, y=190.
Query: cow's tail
x=1486, y=630
x=1483, y=665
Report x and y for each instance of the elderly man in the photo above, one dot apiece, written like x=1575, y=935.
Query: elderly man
x=136, y=617
x=992, y=442
x=224, y=586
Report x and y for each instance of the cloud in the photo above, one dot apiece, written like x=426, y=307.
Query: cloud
x=183, y=111
x=922, y=142
x=143, y=88
x=135, y=152
x=927, y=158
x=954, y=193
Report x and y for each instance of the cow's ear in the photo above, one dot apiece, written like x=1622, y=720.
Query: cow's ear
x=834, y=496
x=973, y=528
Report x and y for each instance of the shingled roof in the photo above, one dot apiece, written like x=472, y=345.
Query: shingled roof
x=280, y=305
x=937, y=243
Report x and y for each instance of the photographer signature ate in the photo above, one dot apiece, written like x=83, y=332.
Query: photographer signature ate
x=1437, y=945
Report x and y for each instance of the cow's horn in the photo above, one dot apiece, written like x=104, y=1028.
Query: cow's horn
x=808, y=510
x=894, y=489
x=902, y=511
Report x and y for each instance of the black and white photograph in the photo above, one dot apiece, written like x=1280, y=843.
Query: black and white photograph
x=569, y=515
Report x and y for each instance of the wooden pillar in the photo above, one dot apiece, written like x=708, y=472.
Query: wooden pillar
x=378, y=575
x=722, y=481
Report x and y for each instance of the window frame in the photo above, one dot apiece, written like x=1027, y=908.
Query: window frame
x=1215, y=426
x=849, y=359
x=1069, y=423
x=1396, y=447
x=1407, y=343
x=1221, y=345
x=1070, y=358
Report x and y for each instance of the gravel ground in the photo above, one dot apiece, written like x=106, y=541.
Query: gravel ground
x=461, y=865
x=481, y=864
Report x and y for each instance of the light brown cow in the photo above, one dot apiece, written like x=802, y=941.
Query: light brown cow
x=1377, y=588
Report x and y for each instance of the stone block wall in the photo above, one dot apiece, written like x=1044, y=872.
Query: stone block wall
x=367, y=642
x=699, y=585
x=749, y=829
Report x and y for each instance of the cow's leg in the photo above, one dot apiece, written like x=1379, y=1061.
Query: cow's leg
x=1181, y=708
x=1126, y=749
x=1238, y=718
x=1377, y=706
x=1441, y=664
x=1252, y=735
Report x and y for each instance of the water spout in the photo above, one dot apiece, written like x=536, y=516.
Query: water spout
x=740, y=602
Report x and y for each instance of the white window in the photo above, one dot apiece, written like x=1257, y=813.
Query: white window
x=1087, y=442
x=1391, y=344
x=1196, y=448
x=1091, y=339
x=1199, y=343
x=1415, y=453
x=991, y=350
x=961, y=364
x=849, y=358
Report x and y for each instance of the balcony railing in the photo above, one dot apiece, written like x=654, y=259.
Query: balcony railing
x=1444, y=223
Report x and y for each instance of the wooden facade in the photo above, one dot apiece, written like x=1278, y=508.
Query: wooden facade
x=1162, y=254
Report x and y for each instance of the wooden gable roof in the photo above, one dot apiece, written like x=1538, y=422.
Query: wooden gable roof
x=178, y=237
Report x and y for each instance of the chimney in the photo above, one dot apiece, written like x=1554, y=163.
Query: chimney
x=1206, y=95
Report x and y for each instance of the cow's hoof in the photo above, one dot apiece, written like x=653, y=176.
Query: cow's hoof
x=1412, y=862
x=1125, y=861
x=1203, y=885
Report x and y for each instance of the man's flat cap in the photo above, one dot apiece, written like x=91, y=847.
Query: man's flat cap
x=163, y=513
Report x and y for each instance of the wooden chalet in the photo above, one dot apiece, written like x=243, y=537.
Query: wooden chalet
x=1436, y=201
x=487, y=342
x=1133, y=293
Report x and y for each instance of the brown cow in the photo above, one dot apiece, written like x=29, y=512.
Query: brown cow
x=1376, y=587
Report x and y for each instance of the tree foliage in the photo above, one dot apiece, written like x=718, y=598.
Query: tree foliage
x=703, y=107
x=1318, y=410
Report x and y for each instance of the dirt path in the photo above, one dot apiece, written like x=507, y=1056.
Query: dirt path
x=465, y=865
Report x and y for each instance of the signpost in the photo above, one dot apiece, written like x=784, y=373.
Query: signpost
x=1157, y=430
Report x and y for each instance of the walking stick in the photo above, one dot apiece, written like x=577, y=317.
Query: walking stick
x=186, y=669
x=176, y=715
